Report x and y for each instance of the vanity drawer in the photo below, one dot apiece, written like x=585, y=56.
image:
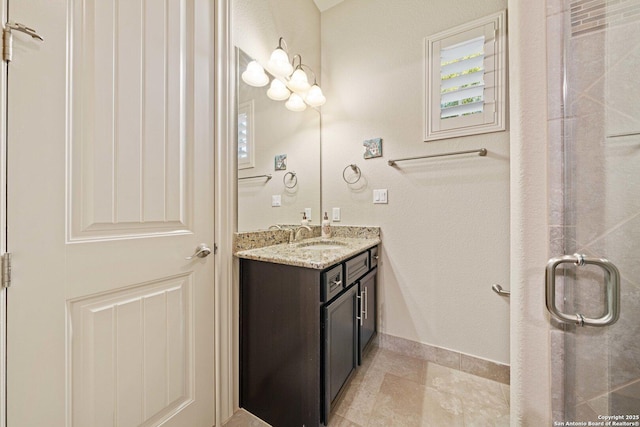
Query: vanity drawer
x=356, y=267
x=332, y=283
x=374, y=256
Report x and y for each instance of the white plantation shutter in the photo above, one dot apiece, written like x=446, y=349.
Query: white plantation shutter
x=243, y=141
x=466, y=80
x=245, y=135
x=462, y=78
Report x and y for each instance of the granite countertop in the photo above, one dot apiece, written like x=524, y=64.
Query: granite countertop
x=303, y=254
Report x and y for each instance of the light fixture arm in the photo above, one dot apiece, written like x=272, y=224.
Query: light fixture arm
x=293, y=61
x=302, y=67
x=282, y=41
x=315, y=80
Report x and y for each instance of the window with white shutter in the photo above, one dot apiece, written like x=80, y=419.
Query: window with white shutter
x=466, y=79
x=245, y=135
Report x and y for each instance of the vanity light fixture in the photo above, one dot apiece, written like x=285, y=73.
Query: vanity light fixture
x=278, y=91
x=315, y=97
x=298, y=82
x=279, y=63
x=295, y=103
x=254, y=75
x=290, y=83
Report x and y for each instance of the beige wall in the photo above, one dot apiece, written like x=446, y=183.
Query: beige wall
x=446, y=227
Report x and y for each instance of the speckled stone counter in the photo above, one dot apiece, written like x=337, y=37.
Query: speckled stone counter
x=345, y=242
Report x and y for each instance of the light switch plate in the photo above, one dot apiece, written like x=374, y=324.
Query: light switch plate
x=307, y=212
x=380, y=196
x=276, y=201
x=336, y=214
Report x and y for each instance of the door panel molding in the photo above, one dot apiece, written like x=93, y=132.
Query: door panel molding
x=132, y=354
x=129, y=149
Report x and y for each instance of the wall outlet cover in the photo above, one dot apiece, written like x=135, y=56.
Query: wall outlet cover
x=276, y=201
x=335, y=216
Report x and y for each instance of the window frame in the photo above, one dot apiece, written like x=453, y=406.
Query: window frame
x=494, y=119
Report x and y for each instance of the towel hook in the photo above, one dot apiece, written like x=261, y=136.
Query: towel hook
x=356, y=170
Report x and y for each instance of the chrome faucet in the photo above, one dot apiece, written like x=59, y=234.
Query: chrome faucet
x=294, y=233
x=276, y=226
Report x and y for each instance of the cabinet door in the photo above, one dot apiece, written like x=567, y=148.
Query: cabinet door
x=368, y=312
x=340, y=345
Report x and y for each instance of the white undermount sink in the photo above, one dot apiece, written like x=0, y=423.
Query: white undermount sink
x=321, y=245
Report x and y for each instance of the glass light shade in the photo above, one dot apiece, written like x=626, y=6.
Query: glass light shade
x=295, y=103
x=299, y=81
x=278, y=91
x=279, y=63
x=315, y=98
x=254, y=75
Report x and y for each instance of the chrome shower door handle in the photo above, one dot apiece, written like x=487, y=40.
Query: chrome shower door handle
x=201, y=251
x=612, y=294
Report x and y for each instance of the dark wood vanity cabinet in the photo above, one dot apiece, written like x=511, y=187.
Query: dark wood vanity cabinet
x=301, y=336
x=340, y=347
x=279, y=339
x=367, y=319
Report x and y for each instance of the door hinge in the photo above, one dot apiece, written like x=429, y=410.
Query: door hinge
x=6, y=270
x=7, y=37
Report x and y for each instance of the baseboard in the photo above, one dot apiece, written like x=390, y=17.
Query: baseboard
x=452, y=359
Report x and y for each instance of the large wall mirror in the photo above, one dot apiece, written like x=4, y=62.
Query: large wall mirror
x=278, y=158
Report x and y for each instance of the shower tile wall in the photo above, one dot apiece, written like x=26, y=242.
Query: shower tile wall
x=594, y=15
x=594, y=185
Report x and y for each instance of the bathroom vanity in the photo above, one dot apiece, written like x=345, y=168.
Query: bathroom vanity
x=307, y=314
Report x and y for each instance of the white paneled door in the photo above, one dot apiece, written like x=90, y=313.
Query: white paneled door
x=110, y=188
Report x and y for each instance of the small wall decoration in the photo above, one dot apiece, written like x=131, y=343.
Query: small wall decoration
x=281, y=162
x=372, y=148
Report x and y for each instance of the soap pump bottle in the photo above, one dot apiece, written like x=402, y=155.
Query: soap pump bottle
x=304, y=221
x=326, y=226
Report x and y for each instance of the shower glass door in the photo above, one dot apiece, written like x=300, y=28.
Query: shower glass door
x=594, y=127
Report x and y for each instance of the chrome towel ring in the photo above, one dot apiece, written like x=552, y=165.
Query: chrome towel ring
x=293, y=178
x=356, y=170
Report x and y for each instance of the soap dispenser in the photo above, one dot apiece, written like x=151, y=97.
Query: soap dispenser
x=304, y=221
x=326, y=226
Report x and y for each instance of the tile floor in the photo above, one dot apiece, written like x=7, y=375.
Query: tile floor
x=391, y=389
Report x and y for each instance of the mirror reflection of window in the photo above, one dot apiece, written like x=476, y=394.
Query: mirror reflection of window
x=245, y=135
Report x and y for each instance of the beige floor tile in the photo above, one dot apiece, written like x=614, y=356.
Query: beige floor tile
x=476, y=392
x=399, y=365
x=358, y=399
x=484, y=401
x=402, y=402
x=486, y=417
x=338, y=421
x=243, y=418
x=394, y=390
x=506, y=390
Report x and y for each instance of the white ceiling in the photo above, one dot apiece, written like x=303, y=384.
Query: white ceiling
x=323, y=5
